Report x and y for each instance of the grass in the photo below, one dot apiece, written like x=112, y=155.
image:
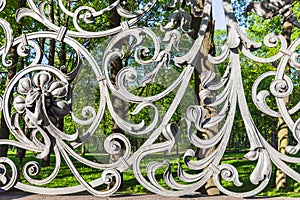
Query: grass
x=131, y=185
x=245, y=168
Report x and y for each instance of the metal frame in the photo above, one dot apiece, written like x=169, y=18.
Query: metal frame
x=40, y=100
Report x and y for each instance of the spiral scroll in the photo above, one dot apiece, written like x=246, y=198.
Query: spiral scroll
x=42, y=96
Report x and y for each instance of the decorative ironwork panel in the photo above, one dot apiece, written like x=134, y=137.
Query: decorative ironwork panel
x=40, y=95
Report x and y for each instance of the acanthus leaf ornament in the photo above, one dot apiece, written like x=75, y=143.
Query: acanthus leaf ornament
x=43, y=94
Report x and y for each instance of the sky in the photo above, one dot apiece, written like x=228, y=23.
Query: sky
x=218, y=14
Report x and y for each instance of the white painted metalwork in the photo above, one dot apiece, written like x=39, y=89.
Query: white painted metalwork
x=47, y=95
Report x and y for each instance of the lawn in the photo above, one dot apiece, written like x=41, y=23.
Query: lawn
x=131, y=186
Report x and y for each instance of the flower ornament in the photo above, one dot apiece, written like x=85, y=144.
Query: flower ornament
x=39, y=95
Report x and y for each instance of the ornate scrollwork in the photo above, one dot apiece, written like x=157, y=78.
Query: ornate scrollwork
x=7, y=181
x=42, y=95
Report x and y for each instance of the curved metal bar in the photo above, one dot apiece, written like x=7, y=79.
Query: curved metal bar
x=43, y=94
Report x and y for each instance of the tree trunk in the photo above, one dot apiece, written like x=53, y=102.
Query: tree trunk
x=207, y=48
x=11, y=72
x=4, y=130
x=283, y=131
x=51, y=57
x=52, y=41
x=22, y=152
x=63, y=51
x=283, y=141
x=116, y=66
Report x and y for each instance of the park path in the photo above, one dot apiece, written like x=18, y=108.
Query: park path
x=27, y=196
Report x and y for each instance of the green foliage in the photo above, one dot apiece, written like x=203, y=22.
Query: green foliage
x=65, y=177
x=257, y=29
x=246, y=167
x=86, y=90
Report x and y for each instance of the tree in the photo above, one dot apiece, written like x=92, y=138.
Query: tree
x=116, y=66
x=287, y=27
x=207, y=48
x=11, y=72
x=283, y=130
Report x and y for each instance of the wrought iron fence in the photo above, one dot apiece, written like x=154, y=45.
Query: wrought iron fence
x=40, y=95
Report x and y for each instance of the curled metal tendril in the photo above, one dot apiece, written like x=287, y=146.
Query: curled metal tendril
x=43, y=94
x=7, y=179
